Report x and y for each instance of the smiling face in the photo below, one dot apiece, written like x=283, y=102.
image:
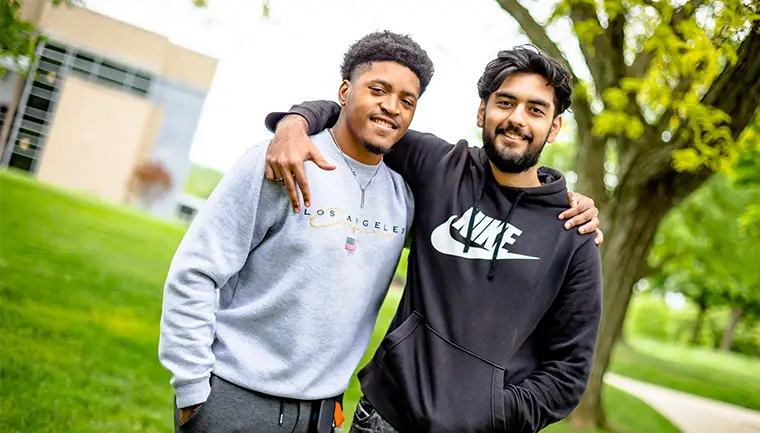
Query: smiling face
x=518, y=120
x=379, y=103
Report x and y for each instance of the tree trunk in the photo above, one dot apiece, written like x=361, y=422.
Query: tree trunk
x=728, y=334
x=632, y=221
x=702, y=305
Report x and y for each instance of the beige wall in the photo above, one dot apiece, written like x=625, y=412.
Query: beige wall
x=96, y=139
x=189, y=67
x=124, y=42
x=32, y=9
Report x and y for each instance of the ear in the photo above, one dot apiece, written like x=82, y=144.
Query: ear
x=556, y=125
x=482, y=114
x=343, y=92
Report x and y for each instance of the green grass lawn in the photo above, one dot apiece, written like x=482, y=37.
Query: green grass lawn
x=728, y=377
x=80, y=292
x=201, y=181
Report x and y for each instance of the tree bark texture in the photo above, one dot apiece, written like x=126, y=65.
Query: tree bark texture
x=734, y=317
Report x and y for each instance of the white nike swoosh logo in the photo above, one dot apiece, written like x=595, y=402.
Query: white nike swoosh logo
x=444, y=243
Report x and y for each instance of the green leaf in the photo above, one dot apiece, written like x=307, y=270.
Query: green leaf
x=616, y=99
x=686, y=159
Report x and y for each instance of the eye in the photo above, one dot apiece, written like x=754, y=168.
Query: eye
x=504, y=103
x=537, y=110
x=377, y=90
x=408, y=102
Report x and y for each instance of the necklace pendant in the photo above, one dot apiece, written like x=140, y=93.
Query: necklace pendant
x=362, y=203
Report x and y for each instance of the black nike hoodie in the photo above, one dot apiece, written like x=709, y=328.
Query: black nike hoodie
x=497, y=325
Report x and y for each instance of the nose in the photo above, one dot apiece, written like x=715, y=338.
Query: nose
x=517, y=117
x=391, y=105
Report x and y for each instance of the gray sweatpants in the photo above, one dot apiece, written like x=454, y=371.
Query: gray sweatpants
x=230, y=408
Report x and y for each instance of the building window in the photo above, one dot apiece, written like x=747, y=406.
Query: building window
x=27, y=137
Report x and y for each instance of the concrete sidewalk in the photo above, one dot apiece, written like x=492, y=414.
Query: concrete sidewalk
x=690, y=413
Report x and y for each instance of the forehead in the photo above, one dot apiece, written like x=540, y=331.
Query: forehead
x=396, y=74
x=528, y=87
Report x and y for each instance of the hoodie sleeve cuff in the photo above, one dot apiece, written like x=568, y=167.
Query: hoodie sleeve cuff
x=192, y=393
x=273, y=119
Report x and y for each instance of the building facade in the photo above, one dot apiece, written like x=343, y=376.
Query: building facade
x=103, y=98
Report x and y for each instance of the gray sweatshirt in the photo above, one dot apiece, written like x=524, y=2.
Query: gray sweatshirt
x=277, y=302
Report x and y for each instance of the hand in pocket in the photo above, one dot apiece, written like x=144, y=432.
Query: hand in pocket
x=187, y=412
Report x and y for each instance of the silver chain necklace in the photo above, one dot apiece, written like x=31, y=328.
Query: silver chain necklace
x=352, y=169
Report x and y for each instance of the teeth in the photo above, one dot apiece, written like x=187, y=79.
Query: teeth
x=383, y=123
x=514, y=136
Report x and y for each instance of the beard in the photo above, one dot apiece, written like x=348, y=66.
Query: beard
x=508, y=162
x=374, y=148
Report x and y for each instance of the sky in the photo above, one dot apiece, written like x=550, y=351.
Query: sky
x=294, y=55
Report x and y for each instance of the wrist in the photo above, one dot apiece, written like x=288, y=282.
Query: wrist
x=294, y=123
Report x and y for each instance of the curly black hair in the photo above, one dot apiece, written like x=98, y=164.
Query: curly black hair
x=384, y=46
x=528, y=59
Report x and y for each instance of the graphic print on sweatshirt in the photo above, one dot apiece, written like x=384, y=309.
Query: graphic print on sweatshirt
x=450, y=238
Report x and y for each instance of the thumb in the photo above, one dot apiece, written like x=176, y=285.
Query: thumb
x=316, y=157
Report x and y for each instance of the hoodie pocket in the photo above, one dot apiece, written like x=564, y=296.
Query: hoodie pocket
x=437, y=385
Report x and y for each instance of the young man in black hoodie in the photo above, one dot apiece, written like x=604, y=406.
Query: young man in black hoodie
x=497, y=326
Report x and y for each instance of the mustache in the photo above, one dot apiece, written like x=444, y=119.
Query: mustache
x=515, y=130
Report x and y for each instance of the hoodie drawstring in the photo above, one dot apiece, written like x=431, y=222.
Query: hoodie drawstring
x=492, y=267
x=477, y=192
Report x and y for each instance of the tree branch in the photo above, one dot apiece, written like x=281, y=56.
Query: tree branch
x=736, y=92
x=639, y=66
x=604, y=54
x=535, y=31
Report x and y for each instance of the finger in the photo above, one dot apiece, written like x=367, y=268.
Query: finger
x=590, y=226
x=303, y=184
x=276, y=172
x=316, y=157
x=269, y=173
x=290, y=185
x=599, y=239
x=571, y=212
x=584, y=217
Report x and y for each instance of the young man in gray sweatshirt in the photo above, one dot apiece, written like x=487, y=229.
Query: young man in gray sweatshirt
x=267, y=313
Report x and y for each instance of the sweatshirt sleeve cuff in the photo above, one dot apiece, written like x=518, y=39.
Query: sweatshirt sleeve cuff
x=273, y=119
x=192, y=393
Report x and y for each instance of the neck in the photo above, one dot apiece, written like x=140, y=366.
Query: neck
x=526, y=179
x=352, y=145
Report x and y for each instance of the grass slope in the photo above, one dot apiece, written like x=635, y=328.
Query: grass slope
x=81, y=300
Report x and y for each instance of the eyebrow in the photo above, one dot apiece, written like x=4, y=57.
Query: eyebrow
x=508, y=95
x=389, y=86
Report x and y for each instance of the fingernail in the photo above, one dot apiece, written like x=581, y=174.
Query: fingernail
x=582, y=230
x=307, y=204
x=567, y=225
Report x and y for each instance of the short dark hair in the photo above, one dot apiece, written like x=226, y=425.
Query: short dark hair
x=384, y=46
x=531, y=60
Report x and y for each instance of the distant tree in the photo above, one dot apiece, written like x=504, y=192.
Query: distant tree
x=18, y=38
x=709, y=247
x=149, y=183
